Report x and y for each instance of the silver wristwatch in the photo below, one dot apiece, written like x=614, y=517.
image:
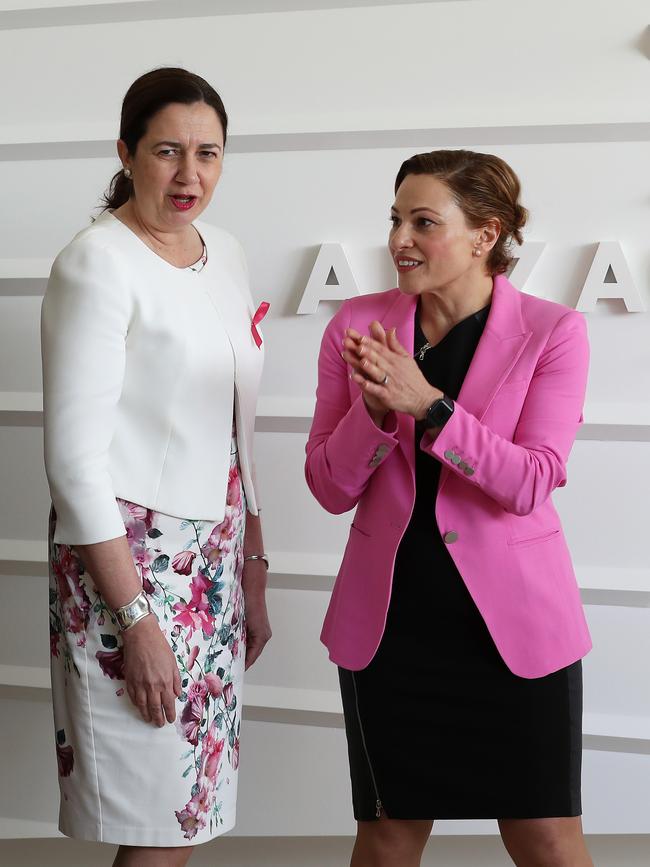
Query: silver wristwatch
x=128, y=615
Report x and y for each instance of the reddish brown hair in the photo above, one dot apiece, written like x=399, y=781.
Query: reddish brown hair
x=484, y=186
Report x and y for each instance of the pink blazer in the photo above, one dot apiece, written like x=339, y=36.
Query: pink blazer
x=503, y=452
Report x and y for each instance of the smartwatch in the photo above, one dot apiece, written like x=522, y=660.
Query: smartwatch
x=439, y=412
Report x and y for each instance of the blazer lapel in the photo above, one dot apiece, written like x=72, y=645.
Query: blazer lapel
x=502, y=342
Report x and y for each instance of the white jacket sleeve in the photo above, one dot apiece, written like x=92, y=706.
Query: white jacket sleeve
x=84, y=324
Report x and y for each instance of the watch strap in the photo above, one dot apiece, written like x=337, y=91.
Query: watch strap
x=439, y=413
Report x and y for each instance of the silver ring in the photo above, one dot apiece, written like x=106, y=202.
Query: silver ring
x=384, y=380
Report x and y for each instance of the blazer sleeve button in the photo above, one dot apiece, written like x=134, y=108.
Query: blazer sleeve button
x=450, y=537
x=380, y=453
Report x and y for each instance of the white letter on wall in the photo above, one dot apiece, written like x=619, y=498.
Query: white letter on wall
x=331, y=279
x=525, y=261
x=609, y=277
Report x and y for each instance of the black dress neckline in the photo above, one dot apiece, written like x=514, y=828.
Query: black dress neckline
x=474, y=322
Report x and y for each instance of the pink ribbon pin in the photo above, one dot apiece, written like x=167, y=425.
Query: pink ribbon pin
x=260, y=313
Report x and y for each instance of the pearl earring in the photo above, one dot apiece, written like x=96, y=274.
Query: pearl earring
x=476, y=251
x=127, y=173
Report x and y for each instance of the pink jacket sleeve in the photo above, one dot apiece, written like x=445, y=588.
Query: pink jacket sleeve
x=344, y=446
x=520, y=475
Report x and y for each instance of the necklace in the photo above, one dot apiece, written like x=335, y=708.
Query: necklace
x=200, y=265
x=422, y=351
x=479, y=316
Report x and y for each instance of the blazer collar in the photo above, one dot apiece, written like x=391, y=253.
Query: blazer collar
x=400, y=314
x=505, y=320
x=504, y=337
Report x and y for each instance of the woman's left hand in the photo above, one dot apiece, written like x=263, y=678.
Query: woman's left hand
x=380, y=355
x=258, y=628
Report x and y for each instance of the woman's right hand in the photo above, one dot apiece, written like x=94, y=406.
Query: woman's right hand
x=353, y=341
x=153, y=681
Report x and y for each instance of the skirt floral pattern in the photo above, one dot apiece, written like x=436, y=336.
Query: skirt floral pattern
x=122, y=780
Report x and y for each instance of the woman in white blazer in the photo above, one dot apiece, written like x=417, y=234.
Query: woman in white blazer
x=151, y=364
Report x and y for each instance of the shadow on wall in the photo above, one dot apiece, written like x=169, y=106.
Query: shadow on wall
x=642, y=44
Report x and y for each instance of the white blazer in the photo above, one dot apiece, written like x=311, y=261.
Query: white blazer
x=142, y=364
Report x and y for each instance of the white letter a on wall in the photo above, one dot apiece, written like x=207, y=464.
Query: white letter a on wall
x=610, y=277
x=331, y=279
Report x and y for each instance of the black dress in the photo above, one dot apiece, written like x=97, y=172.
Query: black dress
x=438, y=727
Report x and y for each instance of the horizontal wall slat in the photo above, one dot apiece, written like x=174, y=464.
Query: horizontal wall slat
x=294, y=415
x=66, y=13
x=298, y=570
x=18, y=269
x=17, y=146
x=599, y=728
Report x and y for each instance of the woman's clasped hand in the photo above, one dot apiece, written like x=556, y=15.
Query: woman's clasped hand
x=387, y=374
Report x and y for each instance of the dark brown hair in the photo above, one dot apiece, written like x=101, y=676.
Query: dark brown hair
x=484, y=186
x=147, y=95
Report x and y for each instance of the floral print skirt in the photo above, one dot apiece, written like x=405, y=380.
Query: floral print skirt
x=123, y=780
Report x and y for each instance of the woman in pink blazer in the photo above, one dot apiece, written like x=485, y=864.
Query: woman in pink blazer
x=446, y=411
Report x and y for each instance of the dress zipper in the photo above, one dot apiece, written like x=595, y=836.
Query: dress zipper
x=378, y=804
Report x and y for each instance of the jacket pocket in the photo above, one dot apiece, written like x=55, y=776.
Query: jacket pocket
x=358, y=529
x=540, y=536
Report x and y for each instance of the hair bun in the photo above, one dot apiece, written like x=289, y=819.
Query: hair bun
x=520, y=218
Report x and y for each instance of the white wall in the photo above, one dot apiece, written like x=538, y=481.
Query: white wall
x=325, y=104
